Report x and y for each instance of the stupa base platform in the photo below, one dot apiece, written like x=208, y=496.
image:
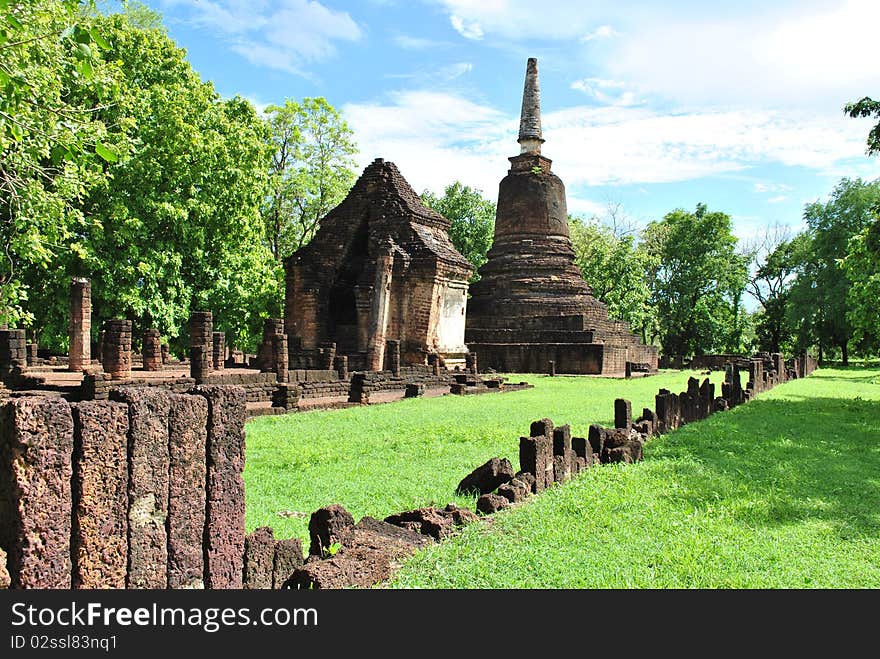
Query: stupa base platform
x=569, y=358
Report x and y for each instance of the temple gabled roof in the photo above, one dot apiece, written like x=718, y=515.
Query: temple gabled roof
x=391, y=209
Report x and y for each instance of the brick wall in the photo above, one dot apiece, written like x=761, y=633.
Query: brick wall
x=141, y=491
x=575, y=358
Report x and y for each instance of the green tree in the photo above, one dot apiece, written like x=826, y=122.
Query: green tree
x=862, y=267
x=173, y=225
x=311, y=171
x=616, y=269
x=697, y=282
x=867, y=107
x=52, y=148
x=141, y=16
x=862, y=264
x=777, y=263
x=820, y=294
x=472, y=220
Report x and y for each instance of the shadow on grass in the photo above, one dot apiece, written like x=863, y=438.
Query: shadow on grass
x=829, y=376
x=775, y=462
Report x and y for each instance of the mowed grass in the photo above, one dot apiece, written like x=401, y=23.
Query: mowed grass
x=382, y=459
x=783, y=492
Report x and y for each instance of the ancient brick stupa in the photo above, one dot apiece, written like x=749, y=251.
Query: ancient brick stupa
x=532, y=305
x=380, y=269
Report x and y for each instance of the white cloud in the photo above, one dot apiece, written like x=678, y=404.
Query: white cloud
x=409, y=42
x=765, y=187
x=469, y=29
x=436, y=138
x=782, y=55
x=523, y=19
x=601, y=32
x=279, y=34
x=607, y=92
x=644, y=146
x=433, y=78
x=585, y=207
x=456, y=70
x=259, y=105
x=777, y=200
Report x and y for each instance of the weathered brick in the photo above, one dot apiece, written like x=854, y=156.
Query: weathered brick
x=327, y=526
x=259, y=559
x=100, y=494
x=5, y=581
x=515, y=491
x=622, y=413
x=224, y=526
x=187, y=443
x=152, y=350
x=487, y=477
x=541, y=428
x=597, y=438
x=36, y=443
x=527, y=478
x=288, y=557
x=536, y=457
x=562, y=469
x=489, y=504
x=583, y=450
x=147, y=485
x=433, y=522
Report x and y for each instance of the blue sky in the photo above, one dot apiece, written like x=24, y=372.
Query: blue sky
x=646, y=105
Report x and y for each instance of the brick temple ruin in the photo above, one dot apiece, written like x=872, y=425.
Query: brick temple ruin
x=532, y=305
x=144, y=489
x=275, y=381
x=381, y=268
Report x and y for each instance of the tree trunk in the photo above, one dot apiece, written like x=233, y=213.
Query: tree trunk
x=845, y=353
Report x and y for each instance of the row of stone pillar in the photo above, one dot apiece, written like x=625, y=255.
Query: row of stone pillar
x=207, y=348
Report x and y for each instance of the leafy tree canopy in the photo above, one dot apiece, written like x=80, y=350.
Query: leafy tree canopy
x=697, y=281
x=53, y=147
x=862, y=267
x=311, y=171
x=169, y=220
x=472, y=217
x=616, y=269
x=867, y=107
x=820, y=294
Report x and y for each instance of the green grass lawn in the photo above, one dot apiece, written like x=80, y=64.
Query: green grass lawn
x=781, y=492
x=382, y=459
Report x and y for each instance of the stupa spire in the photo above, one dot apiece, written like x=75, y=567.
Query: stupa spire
x=530, y=138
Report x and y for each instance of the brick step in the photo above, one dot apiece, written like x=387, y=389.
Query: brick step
x=262, y=408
